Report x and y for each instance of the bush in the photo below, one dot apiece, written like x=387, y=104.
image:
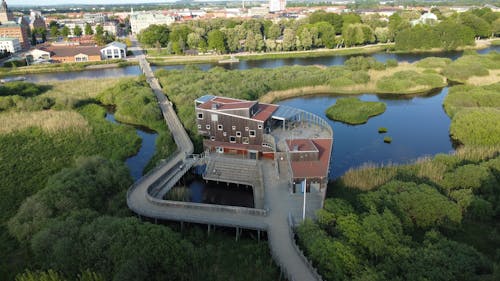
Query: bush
x=391, y=63
x=433, y=62
x=409, y=82
x=363, y=63
x=382, y=130
x=387, y=139
x=480, y=127
x=354, y=111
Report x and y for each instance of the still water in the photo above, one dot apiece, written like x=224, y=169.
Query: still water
x=138, y=162
x=418, y=127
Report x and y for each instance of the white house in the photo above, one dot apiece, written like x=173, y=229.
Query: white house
x=114, y=50
x=9, y=44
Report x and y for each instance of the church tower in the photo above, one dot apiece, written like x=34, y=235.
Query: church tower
x=5, y=13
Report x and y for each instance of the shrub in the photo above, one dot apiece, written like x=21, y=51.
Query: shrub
x=476, y=127
x=354, y=111
x=409, y=81
x=391, y=63
x=387, y=139
x=433, y=62
x=382, y=130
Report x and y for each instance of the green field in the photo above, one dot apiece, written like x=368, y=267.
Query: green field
x=353, y=111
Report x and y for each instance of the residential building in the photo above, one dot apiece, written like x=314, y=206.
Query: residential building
x=9, y=27
x=15, y=30
x=36, y=20
x=277, y=5
x=142, y=20
x=9, y=44
x=114, y=50
x=38, y=55
x=427, y=18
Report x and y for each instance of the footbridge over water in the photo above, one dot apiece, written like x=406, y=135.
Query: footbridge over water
x=275, y=216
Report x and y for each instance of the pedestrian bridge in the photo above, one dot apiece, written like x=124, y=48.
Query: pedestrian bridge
x=144, y=196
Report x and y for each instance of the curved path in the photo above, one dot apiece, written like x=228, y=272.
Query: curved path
x=278, y=200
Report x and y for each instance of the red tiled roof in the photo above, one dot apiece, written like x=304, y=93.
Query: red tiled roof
x=317, y=168
x=265, y=111
x=302, y=145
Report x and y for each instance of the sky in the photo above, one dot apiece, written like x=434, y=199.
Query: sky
x=61, y=2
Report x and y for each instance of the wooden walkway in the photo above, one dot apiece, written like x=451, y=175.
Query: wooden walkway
x=142, y=197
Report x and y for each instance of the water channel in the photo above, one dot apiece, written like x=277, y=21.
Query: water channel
x=138, y=162
x=417, y=125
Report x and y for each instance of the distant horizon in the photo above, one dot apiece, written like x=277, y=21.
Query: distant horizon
x=83, y=2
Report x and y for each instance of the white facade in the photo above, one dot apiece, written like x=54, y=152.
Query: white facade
x=277, y=5
x=10, y=44
x=38, y=54
x=114, y=50
x=140, y=21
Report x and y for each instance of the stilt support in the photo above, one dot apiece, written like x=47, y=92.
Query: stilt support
x=258, y=235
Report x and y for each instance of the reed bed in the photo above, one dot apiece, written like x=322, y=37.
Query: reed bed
x=369, y=176
x=81, y=88
x=49, y=121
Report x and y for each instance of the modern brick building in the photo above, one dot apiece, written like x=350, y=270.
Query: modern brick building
x=257, y=130
x=9, y=27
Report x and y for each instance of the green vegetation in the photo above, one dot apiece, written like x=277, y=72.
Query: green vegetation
x=495, y=42
x=60, y=67
x=382, y=130
x=387, y=139
x=412, y=217
x=472, y=65
x=56, y=220
x=475, y=115
x=433, y=62
x=353, y=111
x=410, y=81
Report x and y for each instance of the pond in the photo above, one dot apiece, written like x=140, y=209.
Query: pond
x=199, y=191
x=418, y=127
x=138, y=162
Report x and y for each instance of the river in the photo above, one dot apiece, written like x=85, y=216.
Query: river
x=134, y=70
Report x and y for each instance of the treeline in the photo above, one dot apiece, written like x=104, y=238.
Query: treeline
x=322, y=30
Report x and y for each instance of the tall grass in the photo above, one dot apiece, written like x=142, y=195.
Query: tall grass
x=368, y=176
x=49, y=121
x=476, y=127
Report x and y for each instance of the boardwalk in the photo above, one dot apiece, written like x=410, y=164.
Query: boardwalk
x=144, y=197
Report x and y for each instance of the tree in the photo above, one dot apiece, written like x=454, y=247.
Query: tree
x=480, y=27
x=193, y=40
x=88, y=29
x=54, y=31
x=274, y=31
x=99, y=30
x=357, y=34
x=306, y=39
x=154, y=33
x=326, y=33
x=250, y=42
x=77, y=31
x=289, y=39
x=65, y=31
x=216, y=41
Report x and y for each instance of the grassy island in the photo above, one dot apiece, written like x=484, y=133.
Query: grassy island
x=353, y=111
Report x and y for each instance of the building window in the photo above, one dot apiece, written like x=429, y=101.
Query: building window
x=220, y=127
x=246, y=129
x=260, y=126
x=251, y=133
x=208, y=127
x=238, y=134
x=215, y=117
x=245, y=140
x=232, y=139
x=212, y=138
x=200, y=115
x=224, y=134
x=233, y=127
x=199, y=126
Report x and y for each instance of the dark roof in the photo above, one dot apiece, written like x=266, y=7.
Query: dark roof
x=71, y=51
x=264, y=110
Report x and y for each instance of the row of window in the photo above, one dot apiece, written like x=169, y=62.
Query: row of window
x=251, y=133
x=232, y=139
x=220, y=127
